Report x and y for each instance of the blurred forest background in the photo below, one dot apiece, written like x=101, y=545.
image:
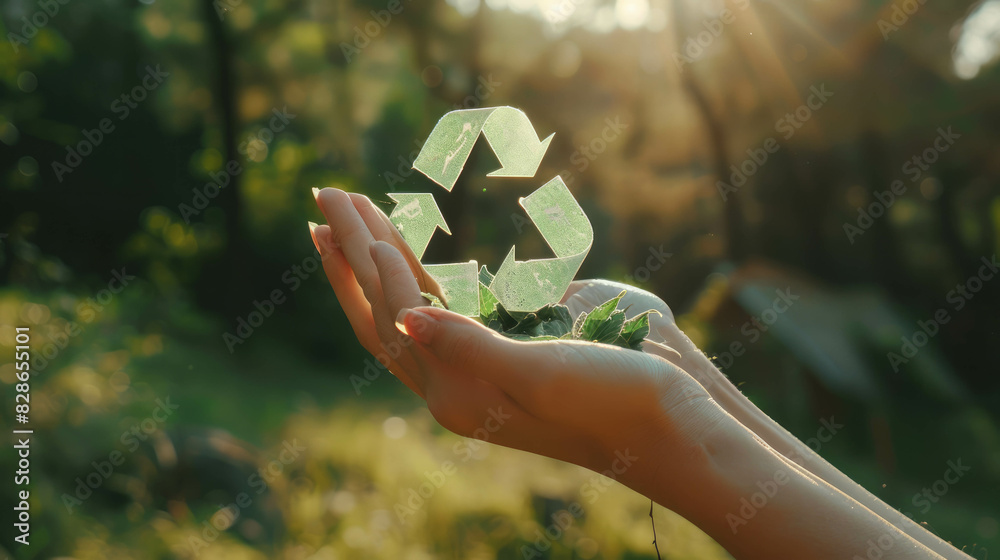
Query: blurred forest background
x=130, y=264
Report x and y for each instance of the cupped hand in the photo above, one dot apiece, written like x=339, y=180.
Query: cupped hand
x=665, y=339
x=571, y=400
x=584, y=295
x=694, y=445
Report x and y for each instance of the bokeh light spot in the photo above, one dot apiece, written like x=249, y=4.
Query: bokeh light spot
x=28, y=166
x=27, y=81
x=394, y=427
x=432, y=76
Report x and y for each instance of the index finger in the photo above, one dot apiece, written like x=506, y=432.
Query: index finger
x=352, y=235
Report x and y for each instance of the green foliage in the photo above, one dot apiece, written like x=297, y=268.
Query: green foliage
x=605, y=324
x=359, y=125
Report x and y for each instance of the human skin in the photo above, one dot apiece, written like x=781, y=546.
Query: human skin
x=701, y=448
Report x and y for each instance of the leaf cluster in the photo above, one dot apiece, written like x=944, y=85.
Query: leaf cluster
x=605, y=323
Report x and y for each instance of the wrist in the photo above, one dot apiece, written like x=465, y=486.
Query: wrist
x=674, y=449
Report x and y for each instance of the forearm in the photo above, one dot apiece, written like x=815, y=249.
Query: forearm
x=778, y=438
x=758, y=504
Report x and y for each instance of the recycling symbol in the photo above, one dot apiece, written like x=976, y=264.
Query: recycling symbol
x=517, y=285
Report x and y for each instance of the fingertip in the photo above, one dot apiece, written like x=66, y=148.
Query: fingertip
x=447, y=317
x=329, y=197
x=418, y=326
x=323, y=236
x=358, y=199
x=435, y=312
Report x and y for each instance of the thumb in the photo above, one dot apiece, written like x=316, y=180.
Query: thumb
x=462, y=343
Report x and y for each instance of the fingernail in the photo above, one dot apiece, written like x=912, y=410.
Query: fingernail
x=323, y=239
x=418, y=326
x=315, y=193
x=312, y=233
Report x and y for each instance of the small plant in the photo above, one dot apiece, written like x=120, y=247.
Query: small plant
x=605, y=323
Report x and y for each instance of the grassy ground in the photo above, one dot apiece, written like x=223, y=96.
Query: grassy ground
x=345, y=475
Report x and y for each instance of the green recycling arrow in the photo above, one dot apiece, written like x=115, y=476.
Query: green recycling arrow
x=416, y=216
x=460, y=283
x=519, y=286
x=531, y=285
x=508, y=130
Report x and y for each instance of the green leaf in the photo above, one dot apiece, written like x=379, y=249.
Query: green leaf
x=605, y=323
x=487, y=300
x=597, y=317
x=578, y=325
x=485, y=276
x=556, y=313
x=608, y=330
x=556, y=321
x=603, y=311
x=635, y=330
x=507, y=320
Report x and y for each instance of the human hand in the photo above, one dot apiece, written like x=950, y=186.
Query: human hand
x=665, y=338
x=633, y=415
x=570, y=400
